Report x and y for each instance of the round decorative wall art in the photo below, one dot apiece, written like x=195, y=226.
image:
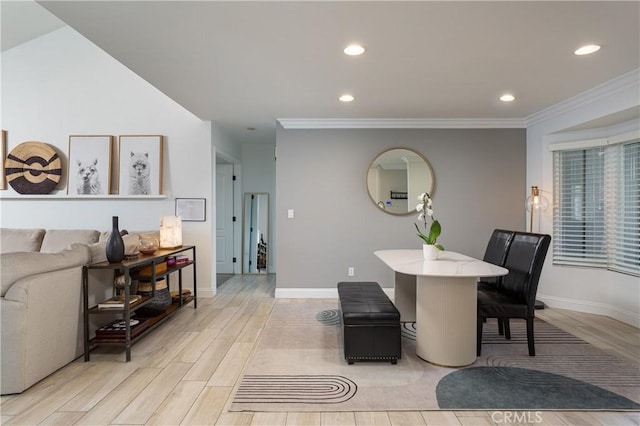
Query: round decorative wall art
x=33, y=168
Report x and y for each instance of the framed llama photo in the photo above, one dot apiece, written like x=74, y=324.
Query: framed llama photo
x=140, y=165
x=89, y=165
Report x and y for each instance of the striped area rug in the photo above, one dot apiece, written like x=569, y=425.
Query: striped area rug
x=299, y=365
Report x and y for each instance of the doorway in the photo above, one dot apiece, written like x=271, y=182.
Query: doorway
x=224, y=221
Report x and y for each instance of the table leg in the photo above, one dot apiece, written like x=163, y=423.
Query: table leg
x=446, y=320
x=405, y=296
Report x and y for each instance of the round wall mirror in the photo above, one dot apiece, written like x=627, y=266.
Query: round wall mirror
x=396, y=178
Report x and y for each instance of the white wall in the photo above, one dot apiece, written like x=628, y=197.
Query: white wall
x=581, y=289
x=61, y=84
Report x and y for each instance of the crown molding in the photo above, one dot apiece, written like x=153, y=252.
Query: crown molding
x=401, y=123
x=624, y=83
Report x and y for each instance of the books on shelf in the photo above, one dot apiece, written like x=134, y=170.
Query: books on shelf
x=182, y=259
x=118, y=302
x=175, y=297
x=116, y=329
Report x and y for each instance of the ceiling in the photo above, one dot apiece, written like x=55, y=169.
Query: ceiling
x=245, y=64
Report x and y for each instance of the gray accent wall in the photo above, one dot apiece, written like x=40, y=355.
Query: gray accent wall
x=320, y=174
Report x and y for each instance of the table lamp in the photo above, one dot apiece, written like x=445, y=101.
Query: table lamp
x=170, y=231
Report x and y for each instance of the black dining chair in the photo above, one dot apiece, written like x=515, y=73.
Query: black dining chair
x=496, y=253
x=515, y=294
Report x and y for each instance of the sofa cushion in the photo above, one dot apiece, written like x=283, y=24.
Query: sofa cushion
x=99, y=249
x=17, y=265
x=59, y=239
x=12, y=239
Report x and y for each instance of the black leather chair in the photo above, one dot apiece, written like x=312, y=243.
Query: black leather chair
x=496, y=253
x=515, y=294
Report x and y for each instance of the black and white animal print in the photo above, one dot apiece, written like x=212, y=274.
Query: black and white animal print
x=88, y=179
x=139, y=174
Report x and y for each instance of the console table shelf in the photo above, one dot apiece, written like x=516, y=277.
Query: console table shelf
x=129, y=268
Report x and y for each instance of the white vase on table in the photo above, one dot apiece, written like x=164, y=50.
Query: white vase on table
x=430, y=252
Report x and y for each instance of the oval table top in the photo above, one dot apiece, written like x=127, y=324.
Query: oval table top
x=448, y=264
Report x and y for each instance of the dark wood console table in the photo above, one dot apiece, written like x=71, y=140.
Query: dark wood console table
x=129, y=268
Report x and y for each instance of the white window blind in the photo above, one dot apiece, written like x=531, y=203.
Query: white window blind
x=597, y=207
x=623, y=201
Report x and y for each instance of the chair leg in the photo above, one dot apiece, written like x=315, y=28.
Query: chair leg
x=500, y=327
x=507, y=329
x=479, y=336
x=530, y=342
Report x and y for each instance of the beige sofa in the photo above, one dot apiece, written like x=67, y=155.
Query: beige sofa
x=41, y=300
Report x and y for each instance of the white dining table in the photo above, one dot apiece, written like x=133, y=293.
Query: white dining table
x=441, y=297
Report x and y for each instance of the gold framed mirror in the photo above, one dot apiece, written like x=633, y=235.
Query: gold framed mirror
x=396, y=178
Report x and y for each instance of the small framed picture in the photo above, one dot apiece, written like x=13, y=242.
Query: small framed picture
x=140, y=165
x=3, y=153
x=89, y=164
x=191, y=209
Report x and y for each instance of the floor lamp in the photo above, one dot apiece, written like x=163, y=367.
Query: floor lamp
x=536, y=203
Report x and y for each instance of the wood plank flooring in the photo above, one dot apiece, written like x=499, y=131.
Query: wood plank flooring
x=185, y=370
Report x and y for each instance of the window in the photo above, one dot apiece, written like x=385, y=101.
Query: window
x=597, y=205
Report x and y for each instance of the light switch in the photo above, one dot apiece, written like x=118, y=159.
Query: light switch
x=290, y=214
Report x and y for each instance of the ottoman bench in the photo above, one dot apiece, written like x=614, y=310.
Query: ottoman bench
x=370, y=323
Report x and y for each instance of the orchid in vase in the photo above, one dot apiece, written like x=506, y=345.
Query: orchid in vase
x=431, y=233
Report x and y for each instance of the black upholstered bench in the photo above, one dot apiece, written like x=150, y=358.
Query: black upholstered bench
x=370, y=323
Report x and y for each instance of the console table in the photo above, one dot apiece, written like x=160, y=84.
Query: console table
x=129, y=268
x=441, y=297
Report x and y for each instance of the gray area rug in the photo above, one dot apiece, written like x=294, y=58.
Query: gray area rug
x=298, y=365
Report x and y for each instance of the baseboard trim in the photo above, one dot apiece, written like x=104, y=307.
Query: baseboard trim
x=627, y=317
x=631, y=318
x=315, y=293
x=206, y=294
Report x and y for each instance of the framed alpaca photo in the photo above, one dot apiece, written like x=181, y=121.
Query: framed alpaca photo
x=140, y=165
x=89, y=165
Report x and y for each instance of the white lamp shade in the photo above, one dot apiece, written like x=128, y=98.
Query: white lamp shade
x=170, y=231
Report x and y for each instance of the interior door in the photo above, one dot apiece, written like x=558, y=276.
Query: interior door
x=224, y=218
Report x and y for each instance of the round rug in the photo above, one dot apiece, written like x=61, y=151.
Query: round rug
x=509, y=388
x=33, y=168
x=329, y=317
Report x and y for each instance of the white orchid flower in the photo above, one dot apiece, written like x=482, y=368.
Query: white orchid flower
x=430, y=212
x=421, y=196
x=421, y=216
x=429, y=202
x=419, y=207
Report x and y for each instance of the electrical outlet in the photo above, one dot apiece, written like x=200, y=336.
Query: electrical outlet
x=351, y=271
x=290, y=214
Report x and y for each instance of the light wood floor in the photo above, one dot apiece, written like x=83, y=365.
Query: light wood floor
x=184, y=373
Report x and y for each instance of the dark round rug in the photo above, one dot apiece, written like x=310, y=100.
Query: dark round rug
x=519, y=388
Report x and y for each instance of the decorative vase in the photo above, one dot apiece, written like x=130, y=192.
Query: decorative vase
x=430, y=252
x=115, y=244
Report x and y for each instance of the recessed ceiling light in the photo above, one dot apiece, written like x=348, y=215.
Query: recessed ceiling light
x=585, y=50
x=346, y=98
x=507, y=97
x=354, y=50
